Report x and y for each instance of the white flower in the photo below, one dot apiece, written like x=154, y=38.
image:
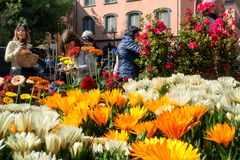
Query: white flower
x=17, y=80
x=23, y=122
x=179, y=95
x=33, y=156
x=157, y=83
x=130, y=86
x=86, y=140
x=97, y=148
x=76, y=149
x=233, y=109
x=21, y=142
x=69, y=135
x=1, y=81
x=227, y=82
x=53, y=143
x=5, y=119
x=120, y=146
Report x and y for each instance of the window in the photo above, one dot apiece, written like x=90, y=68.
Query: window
x=110, y=22
x=89, y=2
x=110, y=1
x=134, y=18
x=164, y=15
x=89, y=24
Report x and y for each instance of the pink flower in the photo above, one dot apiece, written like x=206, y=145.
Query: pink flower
x=161, y=26
x=201, y=8
x=148, y=27
x=224, y=14
x=105, y=74
x=198, y=27
x=146, y=43
x=169, y=65
x=207, y=21
x=188, y=11
x=234, y=22
x=193, y=45
x=149, y=69
x=144, y=51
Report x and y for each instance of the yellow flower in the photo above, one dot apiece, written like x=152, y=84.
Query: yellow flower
x=100, y=115
x=148, y=127
x=138, y=112
x=25, y=96
x=10, y=94
x=92, y=97
x=125, y=121
x=162, y=149
x=134, y=99
x=111, y=97
x=62, y=59
x=17, y=80
x=115, y=135
x=68, y=62
x=7, y=100
x=72, y=120
x=221, y=133
x=121, y=101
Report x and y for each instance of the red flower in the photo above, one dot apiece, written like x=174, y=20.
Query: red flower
x=146, y=43
x=207, y=21
x=88, y=83
x=169, y=65
x=188, y=11
x=148, y=27
x=149, y=69
x=74, y=51
x=144, y=51
x=198, y=27
x=193, y=45
x=105, y=74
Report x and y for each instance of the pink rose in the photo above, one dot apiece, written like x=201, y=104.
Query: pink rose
x=193, y=45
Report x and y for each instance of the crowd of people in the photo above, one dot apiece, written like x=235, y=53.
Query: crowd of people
x=126, y=52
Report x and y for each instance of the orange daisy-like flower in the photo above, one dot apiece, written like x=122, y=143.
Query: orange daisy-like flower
x=162, y=149
x=43, y=84
x=35, y=79
x=120, y=136
x=87, y=48
x=148, y=127
x=111, y=97
x=221, y=133
x=17, y=80
x=81, y=109
x=138, y=112
x=92, y=97
x=100, y=115
x=174, y=124
x=125, y=121
x=159, y=106
x=96, y=51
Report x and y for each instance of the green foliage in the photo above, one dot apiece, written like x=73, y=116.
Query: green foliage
x=41, y=16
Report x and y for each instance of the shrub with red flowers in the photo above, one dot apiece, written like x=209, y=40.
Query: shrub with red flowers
x=156, y=57
x=205, y=46
x=111, y=81
x=88, y=83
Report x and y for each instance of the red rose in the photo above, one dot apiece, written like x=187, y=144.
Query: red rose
x=88, y=83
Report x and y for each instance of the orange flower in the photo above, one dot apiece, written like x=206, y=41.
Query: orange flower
x=159, y=106
x=72, y=119
x=35, y=79
x=221, y=133
x=148, y=127
x=138, y=112
x=174, y=124
x=125, y=121
x=164, y=149
x=100, y=114
x=120, y=136
x=87, y=48
x=113, y=97
x=43, y=84
x=92, y=97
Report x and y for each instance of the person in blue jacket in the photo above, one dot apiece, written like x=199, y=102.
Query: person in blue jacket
x=127, y=51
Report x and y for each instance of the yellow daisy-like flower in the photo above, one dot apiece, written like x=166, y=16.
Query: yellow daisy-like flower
x=7, y=100
x=10, y=94
x=92, y=97
x=115, y=135
x=148, y=127
x=68, y=62
x=138, y=112
x=221, y=133
x=134, y=99
x=25, y=96
x=62, y=59
x=111, y=97
x=162, y=149
x=72, y=120
x=125, y=121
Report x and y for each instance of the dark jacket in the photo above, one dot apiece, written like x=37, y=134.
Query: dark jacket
x=127, y=52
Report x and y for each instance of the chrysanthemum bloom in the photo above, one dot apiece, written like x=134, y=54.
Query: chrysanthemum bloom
x=120, y=136
x=148, y=127
x=1, y=81
x=7, y=100
x=88, y=83
x=162, y=149
x=100, y=115
x=221, y=133
x=125, y=121
x=17, y=80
